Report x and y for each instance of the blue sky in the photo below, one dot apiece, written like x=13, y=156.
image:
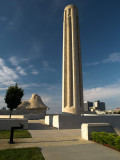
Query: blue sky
x=31, y=49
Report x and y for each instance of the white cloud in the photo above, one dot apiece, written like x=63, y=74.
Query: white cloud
x=50, y=69
x=110, y=91
x=31, y=85
x=112, y=58
x=1, y=62
x=8, y=83
x=21, y=70
x=44, y=86
x=9, y=22
x=45, y=63
x=46, y=99
x=92, y=64
x=16, y=19
x=2, y=89
x=13, y=61
x=6, y=74
x=30, y=66
x=3, y=18
x=2, y=101
x=115, y=57
x=35, y=49
x=17, y=60
x=35, y=72
x=47, y=67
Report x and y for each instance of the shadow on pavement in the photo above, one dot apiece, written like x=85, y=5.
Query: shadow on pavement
x=39, y=126
x=50, y=141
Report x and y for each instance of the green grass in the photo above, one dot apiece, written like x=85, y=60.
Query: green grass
x=21, y=154
x=17, y=134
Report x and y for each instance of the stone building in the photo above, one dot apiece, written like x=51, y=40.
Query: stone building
x=33, y=106
x=87, y=105
x=98, y=106
x=31, y=109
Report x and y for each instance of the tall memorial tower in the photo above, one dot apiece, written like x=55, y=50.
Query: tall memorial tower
x=72, y=85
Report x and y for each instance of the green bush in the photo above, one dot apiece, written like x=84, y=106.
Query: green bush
x=117, y=142
x=99, y=137
x=111, y=139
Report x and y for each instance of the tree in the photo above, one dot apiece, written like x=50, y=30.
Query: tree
x=13, y=97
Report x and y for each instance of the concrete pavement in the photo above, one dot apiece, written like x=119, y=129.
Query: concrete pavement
x=62, y=144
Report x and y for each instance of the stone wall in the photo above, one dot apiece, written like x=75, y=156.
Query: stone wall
x=6, y=124
x=12, y=116
x=49, y=119
x=74, y=122
x=29, y=114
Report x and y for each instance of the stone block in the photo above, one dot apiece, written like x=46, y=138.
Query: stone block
x=56, y=121
x=88, y=128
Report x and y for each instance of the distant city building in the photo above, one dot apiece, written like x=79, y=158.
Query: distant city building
x=98, y=106
x=87, y=105
x=117, y=110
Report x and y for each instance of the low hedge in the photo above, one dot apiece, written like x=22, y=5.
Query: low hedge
x=111, y=139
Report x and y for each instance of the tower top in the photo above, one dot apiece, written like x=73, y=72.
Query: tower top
x=70, y=6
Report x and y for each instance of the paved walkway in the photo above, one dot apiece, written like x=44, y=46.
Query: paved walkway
x=62, y=144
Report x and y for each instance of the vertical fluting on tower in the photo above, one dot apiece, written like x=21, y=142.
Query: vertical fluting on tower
x=72, y=87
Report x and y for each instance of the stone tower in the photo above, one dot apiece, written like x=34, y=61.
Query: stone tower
x=72, y=85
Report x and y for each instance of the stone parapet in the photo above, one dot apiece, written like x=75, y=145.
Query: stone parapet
x=75, y=121
x=6, y=124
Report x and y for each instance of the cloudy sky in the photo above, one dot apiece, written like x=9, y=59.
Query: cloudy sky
x=31, y=49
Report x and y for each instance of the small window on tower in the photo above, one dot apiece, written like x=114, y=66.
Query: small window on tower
x=69, y=12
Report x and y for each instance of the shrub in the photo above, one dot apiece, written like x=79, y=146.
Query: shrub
x=117, y=142
x=111, y=139
x=99, y=137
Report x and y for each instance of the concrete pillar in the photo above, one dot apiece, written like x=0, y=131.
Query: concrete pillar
x=72, y=87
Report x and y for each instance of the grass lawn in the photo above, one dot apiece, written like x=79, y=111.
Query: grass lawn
x=17, y=134
x=21, y=154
